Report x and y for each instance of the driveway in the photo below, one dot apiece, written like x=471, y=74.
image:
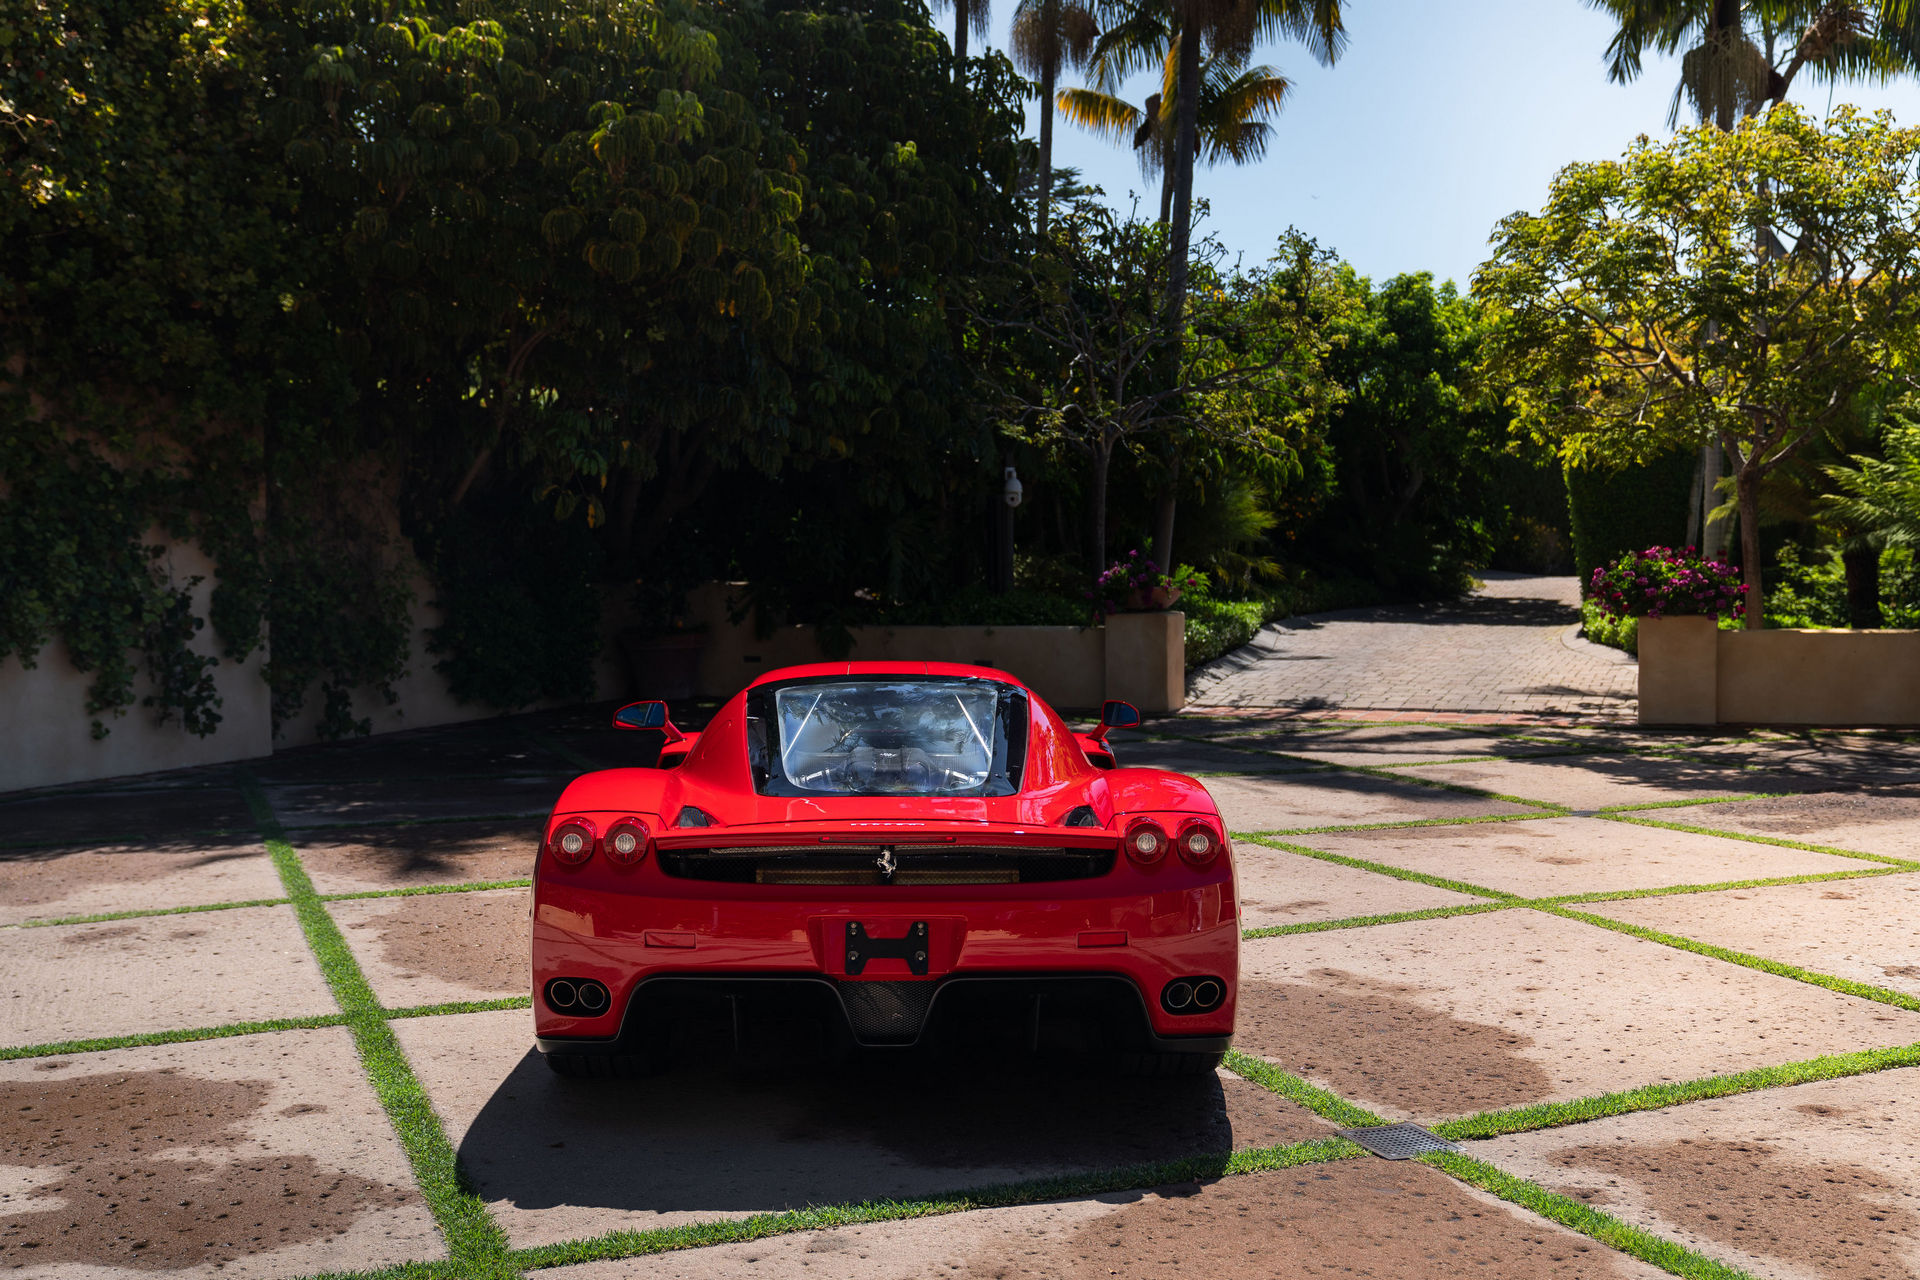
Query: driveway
x=1662, y=992
x=1508, y=649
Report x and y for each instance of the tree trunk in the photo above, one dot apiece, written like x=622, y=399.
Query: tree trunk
x=1046, y=150
x=1186, y=132
x=1713, y=533
x=1164, y=507
x=962, y=18
x=1166, y=197
x=1102, y=456
x=1863, y=587
x=1747, y=485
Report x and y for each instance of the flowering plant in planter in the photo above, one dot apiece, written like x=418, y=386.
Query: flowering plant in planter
x=1664, y=582
x=1137, y=585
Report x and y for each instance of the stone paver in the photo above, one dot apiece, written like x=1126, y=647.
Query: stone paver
x=1866, y=930
x=1557, y=856
x=1866, y=822
x=1203, y=758
x=421, y=853
x=1289, y=802
x=191, y=817
x=157, y=973
x=1389, y=744
x=48, y=884
x=559, y=1159
x=1390, y=1221
x=1602, y=781
x=1281, y=888
x=257, y=1156
x=1446, y=1017
x=1817, y=1180
x=437, y=948
x=377, y=803
x=1506, y=648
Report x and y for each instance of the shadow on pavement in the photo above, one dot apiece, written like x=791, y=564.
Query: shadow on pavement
x=705, y=1138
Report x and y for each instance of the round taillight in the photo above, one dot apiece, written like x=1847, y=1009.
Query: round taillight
x=1199, y=843
x=626, y=841
x=572, y=842
x=1146, y=842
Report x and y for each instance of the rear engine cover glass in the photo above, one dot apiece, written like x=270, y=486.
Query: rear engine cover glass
x=889, y=737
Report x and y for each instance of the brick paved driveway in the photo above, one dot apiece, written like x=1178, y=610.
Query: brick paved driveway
x=1662, y=990
x=1509, y=649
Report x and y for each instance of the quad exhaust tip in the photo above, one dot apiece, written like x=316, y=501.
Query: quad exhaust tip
x=578, y=997
x=1192, y=995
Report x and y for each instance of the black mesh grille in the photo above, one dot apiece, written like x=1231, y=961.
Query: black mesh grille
x=886, y=1012
x=865, y=864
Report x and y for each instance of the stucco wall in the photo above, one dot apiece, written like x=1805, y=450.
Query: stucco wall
x=48, y=735
x=1693, y=673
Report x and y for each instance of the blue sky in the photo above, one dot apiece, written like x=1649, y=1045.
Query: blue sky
x=1438, y=121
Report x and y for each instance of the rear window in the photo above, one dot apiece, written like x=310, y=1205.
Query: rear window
x=887, y=736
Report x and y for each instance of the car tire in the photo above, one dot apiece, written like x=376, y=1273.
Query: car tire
x=1162, y=1065
x=603, y=1066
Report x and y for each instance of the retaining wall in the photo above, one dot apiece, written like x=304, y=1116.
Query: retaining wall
x=1693, y=673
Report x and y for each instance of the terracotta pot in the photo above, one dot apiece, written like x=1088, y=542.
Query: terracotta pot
x=662, y=666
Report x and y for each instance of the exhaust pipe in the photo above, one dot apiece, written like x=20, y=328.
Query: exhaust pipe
x=562, y=995
x=1193, y=995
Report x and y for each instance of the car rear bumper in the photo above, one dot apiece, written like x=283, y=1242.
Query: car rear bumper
x=753, y=944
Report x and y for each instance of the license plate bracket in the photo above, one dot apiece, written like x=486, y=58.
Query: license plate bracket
x=911, y=947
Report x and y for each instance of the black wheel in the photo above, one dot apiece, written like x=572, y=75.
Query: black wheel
x=1160, y=1065
x=604, y=1066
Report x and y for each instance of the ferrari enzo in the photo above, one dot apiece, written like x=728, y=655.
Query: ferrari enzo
x=884, y=854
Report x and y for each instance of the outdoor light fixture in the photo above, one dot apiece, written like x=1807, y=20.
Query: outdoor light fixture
x=1012, y=490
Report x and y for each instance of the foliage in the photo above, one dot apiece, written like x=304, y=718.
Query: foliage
x=74, y=562
x=1663, y=582
x=1420, y=477
x=979, y=607
x=1811, y=589
x=1129, y=585
x=1612, y=511
x=1215, y=627
x=1652, y=305
x=1616, y=632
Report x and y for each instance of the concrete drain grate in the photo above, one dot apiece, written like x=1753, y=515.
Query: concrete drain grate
x=1397, y=1141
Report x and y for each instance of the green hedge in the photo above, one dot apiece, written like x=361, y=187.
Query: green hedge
x=1614, y=512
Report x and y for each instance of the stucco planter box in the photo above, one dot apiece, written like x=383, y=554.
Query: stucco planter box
x=1693, y=673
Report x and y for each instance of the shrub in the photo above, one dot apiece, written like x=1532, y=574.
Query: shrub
x=1616, y=633
x=1216, y=626
x=1661, y=581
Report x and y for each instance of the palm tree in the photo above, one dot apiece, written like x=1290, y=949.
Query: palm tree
x=1740, y=56
x=1047, y=36
x=1235, y=105
x=968, y=16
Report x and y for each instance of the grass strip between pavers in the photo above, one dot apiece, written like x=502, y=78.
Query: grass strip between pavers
x=1669, y=1255
x=475, y=1242
x=1765, y=882
x=1749, y=838
x=1845, y=986
x=1363, y=922
x=1322, y=1102
x=627, y=1244
x=1398, y=873
x=1550, y=807
x=1735, y=798
x=461, y=1006
x=102, y=917
x=183, y=1036
x=426, y=890
x=1335, y=829
x=1653, y=1097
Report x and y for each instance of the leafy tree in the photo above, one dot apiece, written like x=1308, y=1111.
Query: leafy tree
x=1640, y=312
x=1094, y=298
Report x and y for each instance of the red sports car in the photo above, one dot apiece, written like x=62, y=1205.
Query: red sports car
x=885, y=854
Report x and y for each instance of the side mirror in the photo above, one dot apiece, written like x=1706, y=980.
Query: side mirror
x=646, y=715
x=1115, y=714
